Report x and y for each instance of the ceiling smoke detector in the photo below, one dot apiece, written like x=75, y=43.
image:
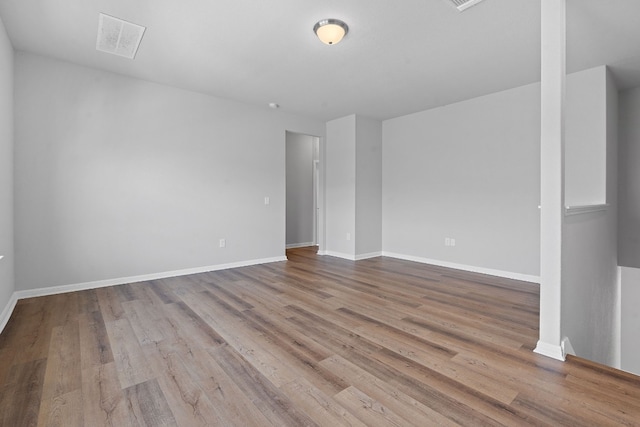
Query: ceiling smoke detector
x=118, y=37
x=464, y=4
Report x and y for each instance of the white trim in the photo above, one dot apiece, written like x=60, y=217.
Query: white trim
x=133, y=279
x=583, y=209
x=299, y=245
x=367, y=256
x=339, y=255
x=351, y=257
x=316, y=189
x=473, y=269
x=8, y=309
x=549, y=350
x=617, y=322
x=567, y=348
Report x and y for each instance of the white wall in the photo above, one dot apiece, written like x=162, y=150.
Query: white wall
x=340, y=186
x=585, y=137
x=118, y=177
x=468, y=171
x=629, y=227
x=590, y=291
x=630, y=352
x=300, y=157
x=629, y=180
x=368, y=186
x=6, y=174
x=354, y=187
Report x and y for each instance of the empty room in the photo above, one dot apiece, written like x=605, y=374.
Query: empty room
x=295, y=213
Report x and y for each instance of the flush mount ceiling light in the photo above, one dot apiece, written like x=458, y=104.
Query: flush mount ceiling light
x=330, y=31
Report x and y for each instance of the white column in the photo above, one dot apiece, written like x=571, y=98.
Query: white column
x=552, y=175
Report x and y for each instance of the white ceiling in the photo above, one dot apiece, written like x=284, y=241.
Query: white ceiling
x=399, y=57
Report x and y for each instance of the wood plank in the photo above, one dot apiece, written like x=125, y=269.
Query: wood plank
x=95, y=348
x=231, y=404
x=407, y=407
x=130, y=361
x=110, y=305
x=189, y=404
x=148, y=406
x=367, y=409
x=299, y=360
x=67, y=308
x=88, y=301
x=63, y=373
x=555, y=410
x=278, y=344
x=36, y=325
x=187, y=324
x=503, y=393
x=104, y=402
x=321, y=407
x=481, y=409
x=247, y=342
x=64, y=410
x=20, y=395
x=273, y=404
x=163, y=291
x=146, y=320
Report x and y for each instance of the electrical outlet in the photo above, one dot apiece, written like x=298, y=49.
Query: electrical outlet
x=447, y=241
x=223, y=243
x=267, y=201
x=453, y=242
x=348, y=236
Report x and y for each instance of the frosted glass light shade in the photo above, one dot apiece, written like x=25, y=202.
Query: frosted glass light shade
x=330, y=31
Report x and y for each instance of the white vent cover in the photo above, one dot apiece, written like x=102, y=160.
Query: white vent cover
x=464, y=4
x=118, y=37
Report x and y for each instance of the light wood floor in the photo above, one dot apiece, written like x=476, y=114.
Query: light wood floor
x=311, y=341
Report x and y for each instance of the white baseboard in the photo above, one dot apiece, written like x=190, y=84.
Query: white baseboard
x=299, y=245
x=6, y=312
x=339, y=255
x=473, y=269
x=142, y=278
x=367, y=256
x=550, y=350
x=566, y=347
x=351, y=257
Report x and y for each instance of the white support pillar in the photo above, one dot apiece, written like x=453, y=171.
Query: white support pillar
x=552, y=175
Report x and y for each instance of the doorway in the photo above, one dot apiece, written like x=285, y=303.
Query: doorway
x=302, y=190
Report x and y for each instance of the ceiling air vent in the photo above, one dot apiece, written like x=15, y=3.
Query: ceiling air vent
x=464, y=4
x=118, y=37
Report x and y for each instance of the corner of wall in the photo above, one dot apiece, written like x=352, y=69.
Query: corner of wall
x=550, y=350
x=5, y=315
x=589, y=254
x=7, y=145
